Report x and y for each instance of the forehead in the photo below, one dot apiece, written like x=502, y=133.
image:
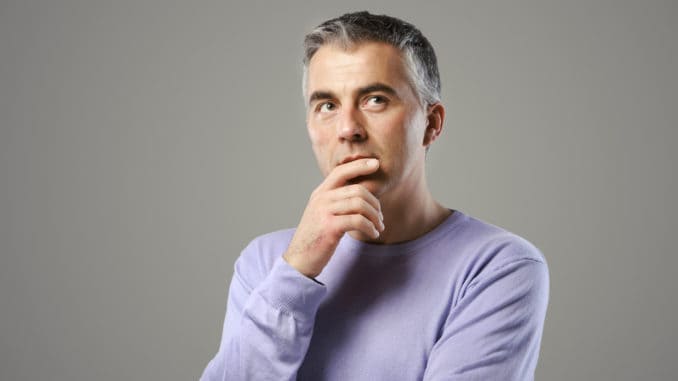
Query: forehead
x=333, y=68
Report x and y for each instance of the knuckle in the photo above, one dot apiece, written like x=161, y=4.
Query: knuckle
x=364, y=205
x=327, y=222
x=352, y=190
x=317, y=195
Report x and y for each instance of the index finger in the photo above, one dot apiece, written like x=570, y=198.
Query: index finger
x=344, y=172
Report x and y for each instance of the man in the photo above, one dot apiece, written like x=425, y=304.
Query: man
x=379, y=281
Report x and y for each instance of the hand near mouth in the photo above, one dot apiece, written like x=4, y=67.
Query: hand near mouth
x=333, y=209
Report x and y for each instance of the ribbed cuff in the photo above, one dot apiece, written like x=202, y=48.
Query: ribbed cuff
x=289, y=290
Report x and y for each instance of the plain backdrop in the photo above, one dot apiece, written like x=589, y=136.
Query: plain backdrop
x=144, y=143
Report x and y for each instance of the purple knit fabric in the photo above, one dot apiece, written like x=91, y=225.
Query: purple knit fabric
x=466, y=301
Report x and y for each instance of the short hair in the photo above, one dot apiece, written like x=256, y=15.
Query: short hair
x=351, y=29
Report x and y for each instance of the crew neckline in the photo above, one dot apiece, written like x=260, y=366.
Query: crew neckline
x=402, y=248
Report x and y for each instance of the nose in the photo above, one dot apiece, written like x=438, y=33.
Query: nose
x=350, y=127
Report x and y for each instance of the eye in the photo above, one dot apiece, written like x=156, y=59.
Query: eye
x=375, y=101
x=325, y=107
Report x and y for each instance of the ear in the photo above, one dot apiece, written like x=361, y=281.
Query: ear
x=435, y=116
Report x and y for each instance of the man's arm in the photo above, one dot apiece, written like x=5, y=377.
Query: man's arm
x=269, y=321
x=267, y=328
x=494, y=332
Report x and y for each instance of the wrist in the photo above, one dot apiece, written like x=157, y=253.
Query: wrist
x=302, y=268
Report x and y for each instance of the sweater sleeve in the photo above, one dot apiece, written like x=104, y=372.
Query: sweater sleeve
x=268, y=327
x=494, y=331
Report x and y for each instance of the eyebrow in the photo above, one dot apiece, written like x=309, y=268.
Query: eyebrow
x=371, y=88
x=377, y=87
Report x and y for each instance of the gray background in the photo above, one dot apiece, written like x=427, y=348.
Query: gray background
x=144, y=143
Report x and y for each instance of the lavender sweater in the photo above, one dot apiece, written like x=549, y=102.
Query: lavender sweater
x=466, y=301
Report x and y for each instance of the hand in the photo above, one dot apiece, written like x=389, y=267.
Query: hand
x=333, y=209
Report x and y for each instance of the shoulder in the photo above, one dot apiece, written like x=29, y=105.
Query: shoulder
x=270, y=243
x=257, y=258
x=496, y=245
x=488, y=249
x=499, y=265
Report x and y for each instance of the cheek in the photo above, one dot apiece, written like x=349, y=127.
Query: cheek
x=402, y=132
x=315, y=136
x=319, y=143
x=416, y=128
x=404, y=139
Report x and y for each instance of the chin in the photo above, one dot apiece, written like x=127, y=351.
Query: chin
x=373, y=185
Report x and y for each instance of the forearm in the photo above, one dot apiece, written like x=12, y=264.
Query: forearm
x=267, y=330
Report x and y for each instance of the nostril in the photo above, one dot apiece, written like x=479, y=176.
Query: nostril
x=351, y=133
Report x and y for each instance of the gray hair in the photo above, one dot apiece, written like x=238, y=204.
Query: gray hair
x=351, y=29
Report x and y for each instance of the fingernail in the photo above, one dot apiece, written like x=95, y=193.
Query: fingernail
x=372, y=162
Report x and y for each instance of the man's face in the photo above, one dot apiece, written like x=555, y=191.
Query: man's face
x=361, y=105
